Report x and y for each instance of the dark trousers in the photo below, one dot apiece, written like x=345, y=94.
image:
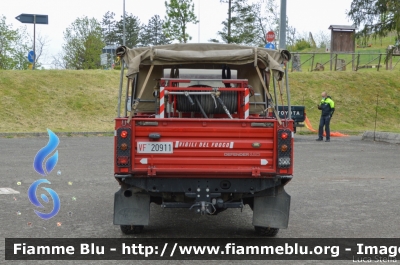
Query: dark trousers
x=324, y=121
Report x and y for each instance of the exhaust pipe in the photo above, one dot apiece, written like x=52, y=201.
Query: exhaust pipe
x=128, y=193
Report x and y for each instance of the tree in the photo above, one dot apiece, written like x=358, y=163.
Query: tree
x=301, y=44
x=242, y=24
x=41, y=43
x=229, y=20
x=152, y=33
x=249, y=23
x=109, y=27
x=267, y=18
x=133, y=28
x=322, y=39
x=377, y=16
x=291, y=35
x=58, y=61
x=179, y=14
x=14, y=47
x=83, y=44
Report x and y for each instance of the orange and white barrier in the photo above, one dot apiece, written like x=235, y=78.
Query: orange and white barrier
x=334, y=134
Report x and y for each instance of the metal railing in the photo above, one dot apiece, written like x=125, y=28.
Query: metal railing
x=319, y=61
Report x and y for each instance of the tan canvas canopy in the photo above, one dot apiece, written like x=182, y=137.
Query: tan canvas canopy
x=209, y=53
x=149, y=63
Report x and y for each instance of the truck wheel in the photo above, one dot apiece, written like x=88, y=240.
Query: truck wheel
x=131, y=229
x=266, y=231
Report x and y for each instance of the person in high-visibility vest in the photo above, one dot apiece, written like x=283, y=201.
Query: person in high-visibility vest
x=327, y=107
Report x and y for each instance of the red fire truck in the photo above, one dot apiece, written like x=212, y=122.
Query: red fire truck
x=198, y=130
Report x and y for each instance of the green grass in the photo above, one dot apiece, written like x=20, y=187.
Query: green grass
x=61, y=100
x=86, y=101
x=355, y=95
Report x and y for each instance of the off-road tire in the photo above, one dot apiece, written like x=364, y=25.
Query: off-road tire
x=131, y=229
x=266, y=231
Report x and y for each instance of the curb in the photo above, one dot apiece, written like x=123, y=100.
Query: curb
x=392, y=138
x=63, y=134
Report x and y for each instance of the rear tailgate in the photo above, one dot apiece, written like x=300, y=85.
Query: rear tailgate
x=212, y=147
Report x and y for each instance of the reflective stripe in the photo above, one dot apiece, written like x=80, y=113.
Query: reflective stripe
x=246, y=103
x=162, y=106
x=328, y=101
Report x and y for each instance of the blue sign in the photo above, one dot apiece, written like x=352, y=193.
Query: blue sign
x=31, y=56
x=270, y=45
x=33, y=18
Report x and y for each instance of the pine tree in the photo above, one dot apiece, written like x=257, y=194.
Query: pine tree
x=241, y=27
x=152, y=33
x=133, y=28
x=179, y=14
x=109, y=27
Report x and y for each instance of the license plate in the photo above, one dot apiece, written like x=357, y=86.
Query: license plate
x=155, y=148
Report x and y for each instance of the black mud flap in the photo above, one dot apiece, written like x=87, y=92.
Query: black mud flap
x=272, y=211
x=133, y=210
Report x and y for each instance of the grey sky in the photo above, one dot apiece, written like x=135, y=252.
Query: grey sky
x=305, y=15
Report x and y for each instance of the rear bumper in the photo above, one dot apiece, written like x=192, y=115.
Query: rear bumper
x=297, y=124
x=213, y=185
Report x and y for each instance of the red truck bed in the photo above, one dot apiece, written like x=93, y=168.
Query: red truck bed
x=206, y=147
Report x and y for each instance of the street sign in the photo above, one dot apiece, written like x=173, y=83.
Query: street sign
x=270, y=37
x=31, y=56
x=103, y=59
x=270, y=45
x=30, y=18
x=33, y=19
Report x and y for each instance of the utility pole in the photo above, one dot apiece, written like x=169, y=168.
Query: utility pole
x=229, y=21
x=282, y=46
x=282, y=26
x=34, y=42
x=123, y=37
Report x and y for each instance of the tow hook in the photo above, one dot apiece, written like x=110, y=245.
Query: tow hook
x=204, y=207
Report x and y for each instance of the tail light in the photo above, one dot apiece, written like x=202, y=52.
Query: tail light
x=284, y=148
x=123, y=157
x=124, y=134
x=123, y=160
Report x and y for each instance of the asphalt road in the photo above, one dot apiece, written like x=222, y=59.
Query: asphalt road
x=345, y=188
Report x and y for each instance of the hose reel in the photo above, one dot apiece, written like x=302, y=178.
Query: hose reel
x=210, y=104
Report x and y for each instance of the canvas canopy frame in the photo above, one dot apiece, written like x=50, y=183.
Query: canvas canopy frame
x=147, y=64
